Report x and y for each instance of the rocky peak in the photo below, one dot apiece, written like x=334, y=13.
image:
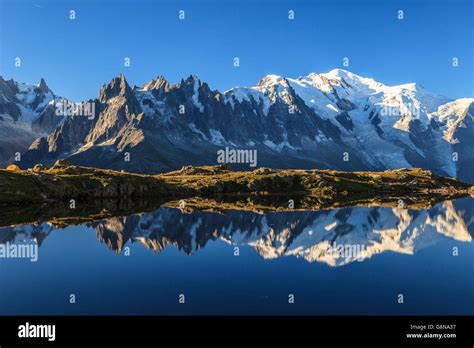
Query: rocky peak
x=118, y=86
x=192, y=82
x=43, y=87
x=320, y=81
x=158, y=83
x=191, y=79
x=270, y=80
x=8, y=88
x=119, y=107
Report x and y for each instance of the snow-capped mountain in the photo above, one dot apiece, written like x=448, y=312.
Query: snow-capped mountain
x=337, y=120
x=26, y=113
x=27, y=233
x=315, y=236
x=387, y=126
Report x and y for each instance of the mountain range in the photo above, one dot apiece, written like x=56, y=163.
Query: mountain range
x=336, y=120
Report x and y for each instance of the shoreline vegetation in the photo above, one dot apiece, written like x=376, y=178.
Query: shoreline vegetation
x=45, y=194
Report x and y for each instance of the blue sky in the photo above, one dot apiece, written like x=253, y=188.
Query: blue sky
x=77, y=56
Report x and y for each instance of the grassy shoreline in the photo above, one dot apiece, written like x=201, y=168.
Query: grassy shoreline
x=44, y=194
x=64, y=182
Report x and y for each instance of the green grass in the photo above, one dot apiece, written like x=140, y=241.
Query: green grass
x=67, y=182
x=27, y=196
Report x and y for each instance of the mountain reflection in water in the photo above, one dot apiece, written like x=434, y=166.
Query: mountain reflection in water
x=241, y=262
x=311, y=235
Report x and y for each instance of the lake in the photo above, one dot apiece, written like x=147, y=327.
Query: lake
x=353, y=260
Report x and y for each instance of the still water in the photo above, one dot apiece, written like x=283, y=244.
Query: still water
x=355, y=260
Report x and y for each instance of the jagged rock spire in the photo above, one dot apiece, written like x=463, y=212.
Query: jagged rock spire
x=43, y=87
x=117, y=86
x=157, y=83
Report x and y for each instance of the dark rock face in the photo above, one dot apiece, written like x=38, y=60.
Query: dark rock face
x=463, y=148
x=47, y=120
x=8, y=102
x=345, y=120
x=26, y=112
x=120, y=108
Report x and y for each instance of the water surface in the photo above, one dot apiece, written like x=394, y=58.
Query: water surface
x=246, y=263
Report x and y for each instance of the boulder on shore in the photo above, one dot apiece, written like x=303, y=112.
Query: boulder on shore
x=13, y=168
x=39, y=168
x=61, y=163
